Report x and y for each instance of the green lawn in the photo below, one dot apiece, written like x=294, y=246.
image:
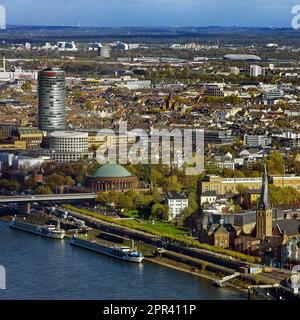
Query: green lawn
x=164, y=227
x=158, y=226
x=135, y=214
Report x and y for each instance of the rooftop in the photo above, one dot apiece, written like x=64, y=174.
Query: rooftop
x=69, y=134
x=112, y=171
x=176, y=195
x=29, y=130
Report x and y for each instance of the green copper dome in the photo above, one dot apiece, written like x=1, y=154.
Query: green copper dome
x=112, y=171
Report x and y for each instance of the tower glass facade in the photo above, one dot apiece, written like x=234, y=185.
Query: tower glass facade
x=52, y=97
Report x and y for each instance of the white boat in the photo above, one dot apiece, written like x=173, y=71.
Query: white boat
x=45, y=231
x=121, y=253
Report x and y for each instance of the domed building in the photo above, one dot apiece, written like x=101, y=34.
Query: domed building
x=112, y=177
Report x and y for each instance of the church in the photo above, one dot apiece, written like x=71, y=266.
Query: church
x=260, y=232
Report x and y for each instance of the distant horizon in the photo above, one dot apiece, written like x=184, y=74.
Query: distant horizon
x=150, y=13
x=148, y=26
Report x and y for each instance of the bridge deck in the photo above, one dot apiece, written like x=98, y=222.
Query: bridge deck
x=45, y=198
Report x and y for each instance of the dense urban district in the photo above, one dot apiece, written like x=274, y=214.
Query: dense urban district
x=60, y=87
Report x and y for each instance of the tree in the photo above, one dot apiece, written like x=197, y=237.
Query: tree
x=156, y=177
x=43, y=190
x=228, y=173
x=88, y=105
x=77, y=95
x=11, y=185
x=275, y=163
x=189, y=214
x=172, y=184
x=237, y=208
x=102, y=198
x=280, y=196
x=125, y=201
x=157, y=197
x=2, y=135
x=69, y=181
x=56, y=180
x=242, y=189
x=26, y=86
x=160, y=212
x=31, y=184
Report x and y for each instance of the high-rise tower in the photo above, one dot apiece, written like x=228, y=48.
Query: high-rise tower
x=52, y=96
x=264, y=211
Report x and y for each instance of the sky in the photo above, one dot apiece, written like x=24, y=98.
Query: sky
x=267, y=13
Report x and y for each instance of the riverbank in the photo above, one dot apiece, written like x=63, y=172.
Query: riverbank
x=43, y=269
x=209, y=276
x=162, y=261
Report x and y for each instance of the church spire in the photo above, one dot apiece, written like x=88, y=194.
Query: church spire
x=264, y=195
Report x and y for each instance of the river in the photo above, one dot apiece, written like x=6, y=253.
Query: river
x=38, y=268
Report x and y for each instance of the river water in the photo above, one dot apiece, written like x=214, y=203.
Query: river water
x=44, y=269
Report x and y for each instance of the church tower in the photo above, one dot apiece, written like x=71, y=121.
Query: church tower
x=264, y=211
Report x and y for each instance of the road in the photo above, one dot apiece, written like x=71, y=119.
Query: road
x=47, y=198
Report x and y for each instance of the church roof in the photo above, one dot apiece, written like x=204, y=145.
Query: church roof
x=264, y=196
x=289, y=227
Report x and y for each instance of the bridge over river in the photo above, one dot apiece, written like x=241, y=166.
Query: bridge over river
x=24, y=202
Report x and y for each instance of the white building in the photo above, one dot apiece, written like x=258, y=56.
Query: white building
x=105, y=52
x=235, y=70
x=177, y=202
x=16, y=74
x=121, y=46
x=256, y=71
x=66, y=146
x=69, y=141
x=95, y=46
x=208, y=197
x=135, y=84
x=67, y=46
x=254, y=141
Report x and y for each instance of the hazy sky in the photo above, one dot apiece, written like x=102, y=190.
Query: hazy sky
x=150, y=12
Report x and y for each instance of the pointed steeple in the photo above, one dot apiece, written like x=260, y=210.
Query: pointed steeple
x=264, y=195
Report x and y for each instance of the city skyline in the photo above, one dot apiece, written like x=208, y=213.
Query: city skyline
x=134, y=13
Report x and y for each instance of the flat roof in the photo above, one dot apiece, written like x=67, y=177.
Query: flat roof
x=68, y=134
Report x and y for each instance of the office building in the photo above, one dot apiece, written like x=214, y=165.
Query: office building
x=52, y=96
x=256, y=71
x=254, y=141
x=218, y=137
x=65, y=146
x=104, y=52
x=69, y=141
x=227, y=185
x=32, y=136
